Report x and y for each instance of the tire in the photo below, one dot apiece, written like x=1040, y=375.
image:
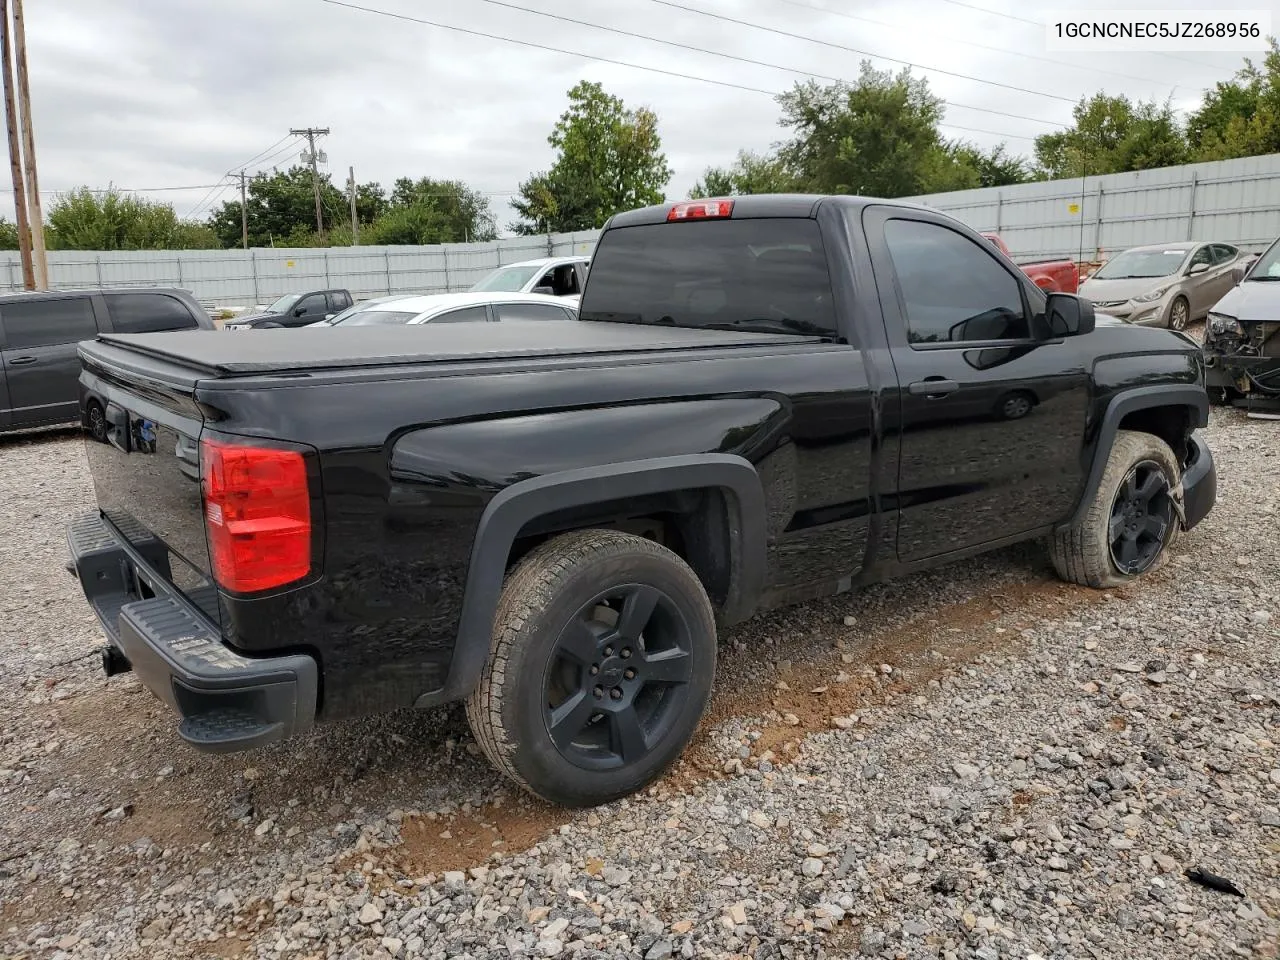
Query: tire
x=1015, y=405
x=95, y=421
x=1179, y=314
x=1085, y=553
x=625, y=697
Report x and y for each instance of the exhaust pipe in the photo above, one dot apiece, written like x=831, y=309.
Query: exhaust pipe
x=114, y=661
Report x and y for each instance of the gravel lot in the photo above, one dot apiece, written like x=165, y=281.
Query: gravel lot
x=978, y=762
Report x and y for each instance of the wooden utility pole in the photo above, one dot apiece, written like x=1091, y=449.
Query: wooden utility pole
x=15, y=153
x=311, y=133
x=351, y=192
x=40, y=262
x=244, y=213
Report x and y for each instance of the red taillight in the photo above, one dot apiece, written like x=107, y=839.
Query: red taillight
x=700, y=210
x=257, y=511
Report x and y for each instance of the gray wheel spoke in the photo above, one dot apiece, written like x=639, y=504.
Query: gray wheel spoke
x=579, y=643
x=668, y=666
x=568, y=719
x=637, y=610
x=1131, y=485
x=1155, y=526
x=1149, y=487
x=1116, y=527
x=1128, y=550
x=627, y=734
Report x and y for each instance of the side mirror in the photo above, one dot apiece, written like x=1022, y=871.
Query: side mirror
x=1238, y=272
x=1068, y=315
x=299, y=311
x=550, y=291
x=1196, y=269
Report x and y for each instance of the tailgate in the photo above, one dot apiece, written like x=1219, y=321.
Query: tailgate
x=146, y=473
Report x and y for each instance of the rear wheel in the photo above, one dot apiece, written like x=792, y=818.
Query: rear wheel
x=96, y=421
x=602, y=662
x=1179, y=314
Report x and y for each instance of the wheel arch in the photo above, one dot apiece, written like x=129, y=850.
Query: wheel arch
x=515, y=508
x=1168, y=411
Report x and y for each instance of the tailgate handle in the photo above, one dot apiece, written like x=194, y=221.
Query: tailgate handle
x=117, y=426
x=933, y=387
x=22, y=361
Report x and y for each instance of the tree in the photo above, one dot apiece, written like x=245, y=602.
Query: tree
x=876, y=137
x=609, y=158
x=8, y=235
x=750, y=173
x=459, y=213
x=87, y=220
x=990, y=168
x=1112, y=135
x=282, y=209
x=1241, y=117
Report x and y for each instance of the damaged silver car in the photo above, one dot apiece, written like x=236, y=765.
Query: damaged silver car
x=1242, y=337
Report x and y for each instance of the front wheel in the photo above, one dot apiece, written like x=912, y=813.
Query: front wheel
x=1179, y=314
x=602, y=662
x=1131, y=521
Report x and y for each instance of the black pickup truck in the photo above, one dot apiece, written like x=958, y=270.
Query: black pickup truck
x=766, y=400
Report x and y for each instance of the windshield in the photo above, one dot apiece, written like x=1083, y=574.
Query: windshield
x=1268, y=265
x=1142, y=263
x=284, y=303
x=370, y=318
x=507, y=280
x=767, y=276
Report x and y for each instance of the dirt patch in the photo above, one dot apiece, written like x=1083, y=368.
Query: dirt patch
x=463, y=840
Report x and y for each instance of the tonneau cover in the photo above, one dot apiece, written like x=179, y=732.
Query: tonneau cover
x=218, y=353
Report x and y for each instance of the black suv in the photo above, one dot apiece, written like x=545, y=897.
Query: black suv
x=40, y=370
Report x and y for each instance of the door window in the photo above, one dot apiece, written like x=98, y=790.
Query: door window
x=1203, y=255
x=464, y=315
x=339, y=301
x=146, y=312
x=38, y=323
x=952, y=288
x=311, y=306
x=529, y=311
x=1223, y=253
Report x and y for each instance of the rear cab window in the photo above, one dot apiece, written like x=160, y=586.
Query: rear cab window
x=765, y=275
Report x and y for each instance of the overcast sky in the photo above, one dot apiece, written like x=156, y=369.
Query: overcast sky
x=163, y=93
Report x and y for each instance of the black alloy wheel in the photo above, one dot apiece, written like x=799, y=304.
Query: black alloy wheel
x=618, y=678
x=96, y=421
x=1141, y=517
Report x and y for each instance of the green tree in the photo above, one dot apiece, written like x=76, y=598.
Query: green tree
x=1241, y=117
x=609, y=158
x=446, y=209
x=750, y=173
x=8, y=235
x=1112, y=135
x=990, y=168
x=282, y=209
x=87, y=220
x=876, y=137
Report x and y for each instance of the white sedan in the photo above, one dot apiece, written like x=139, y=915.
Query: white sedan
x=558, y=276
x=457, y=308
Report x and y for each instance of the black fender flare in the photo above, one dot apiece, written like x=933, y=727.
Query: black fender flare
x=515, y=506
x=1123, y=404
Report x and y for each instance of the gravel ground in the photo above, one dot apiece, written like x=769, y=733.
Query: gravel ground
x=977, y=762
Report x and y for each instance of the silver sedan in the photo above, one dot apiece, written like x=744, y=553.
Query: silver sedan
x=1163, y=285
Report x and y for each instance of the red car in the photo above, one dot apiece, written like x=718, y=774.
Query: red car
x=1054, y=276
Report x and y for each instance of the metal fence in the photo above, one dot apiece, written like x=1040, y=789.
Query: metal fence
x=237, y=278
x=1090, y=219
x=1232, y=201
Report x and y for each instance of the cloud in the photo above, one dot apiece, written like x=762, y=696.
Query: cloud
x=149, y=93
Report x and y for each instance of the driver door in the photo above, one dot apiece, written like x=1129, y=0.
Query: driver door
x=309, y=309
x=993, y=419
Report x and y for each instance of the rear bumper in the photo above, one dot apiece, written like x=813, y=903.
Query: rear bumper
x=1199, y=484
x=226, y=701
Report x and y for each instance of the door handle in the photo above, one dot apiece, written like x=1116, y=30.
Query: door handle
x=22, y=361
x=933, y=387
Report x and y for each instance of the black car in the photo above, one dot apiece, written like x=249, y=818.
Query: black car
x=766, y=400
x=295, y=310
x=38, y=337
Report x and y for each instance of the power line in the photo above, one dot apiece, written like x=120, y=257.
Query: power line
x=864, y=53
x=969, y=43
x=759, y=63
x=257, y=157
x=1038, y=23
x=636, y=66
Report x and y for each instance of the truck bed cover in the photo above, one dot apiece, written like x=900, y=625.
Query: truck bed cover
x=219, y=354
